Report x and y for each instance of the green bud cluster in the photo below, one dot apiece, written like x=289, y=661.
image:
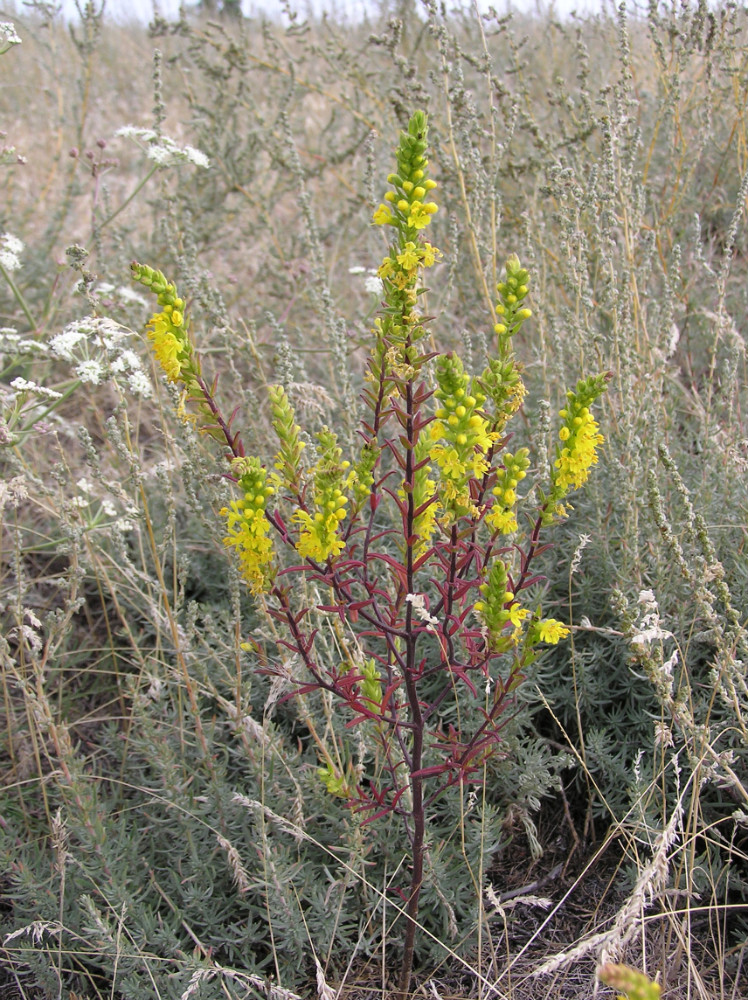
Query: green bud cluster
x=497, y=607
x=328, y=471
x=508, y=478
x=458, y=403
x=587, y=390
x=511, y=313
x=252, y=479
x=503, y=385
x=157, y=282
x=361, y=477
x=288, y=459
x=371, y=685
x=335, y=784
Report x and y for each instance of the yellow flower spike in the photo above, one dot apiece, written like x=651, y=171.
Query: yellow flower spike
x=464, y=432
x=248, y=527
x=166, y=347
x=319, y=538
x=502, y=516
x=580, y=438
x=401, y=324
x=167, y=330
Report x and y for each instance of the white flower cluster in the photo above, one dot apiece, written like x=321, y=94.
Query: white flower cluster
x=163, y=150
x=123, y=294
x=372, y=282
x=25, y=385
x=8, y=36
x=97, y=348
x=12, y=344
x=11, y=249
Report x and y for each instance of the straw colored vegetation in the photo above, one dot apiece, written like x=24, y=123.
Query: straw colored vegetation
x=218, y=777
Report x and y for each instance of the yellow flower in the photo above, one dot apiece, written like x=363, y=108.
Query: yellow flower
x=408, y=259
x=383, y=216
x=516, y=614
x=386, y=268
x=420, y=215
x=502, y=519
x=429, y=255
x=551, y=631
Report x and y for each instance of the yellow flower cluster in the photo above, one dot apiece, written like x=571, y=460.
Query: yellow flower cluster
x=247, y=525
x=580, y=438
x=319, y=538
x=498, y=608
x=401, y=268
x=167, y=330
x=166, y=333
x=502, y=516
x=406, y=206
x=465, y=433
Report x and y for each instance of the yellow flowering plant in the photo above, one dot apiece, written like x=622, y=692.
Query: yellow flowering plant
x=416, y=539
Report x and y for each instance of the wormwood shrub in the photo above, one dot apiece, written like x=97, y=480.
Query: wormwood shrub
x=412, y=553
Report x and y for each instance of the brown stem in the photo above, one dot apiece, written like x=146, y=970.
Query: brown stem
x=234, y=442
x=416, y=760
